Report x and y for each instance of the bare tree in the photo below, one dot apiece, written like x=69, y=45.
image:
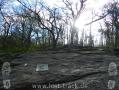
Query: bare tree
x=48, y=19
x=112, y=24
x=101, y=31
x=54, y=25
x=75, y=8
x=6, y=23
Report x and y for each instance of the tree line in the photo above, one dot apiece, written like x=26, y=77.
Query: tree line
x=38, y=24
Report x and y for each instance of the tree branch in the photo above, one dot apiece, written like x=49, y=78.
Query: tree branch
x=101, y=17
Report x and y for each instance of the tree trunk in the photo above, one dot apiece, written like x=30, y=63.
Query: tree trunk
x=54, y=43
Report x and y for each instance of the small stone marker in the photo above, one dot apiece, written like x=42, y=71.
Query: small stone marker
x=42, y=67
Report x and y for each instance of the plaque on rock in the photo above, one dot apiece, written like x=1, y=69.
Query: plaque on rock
x=42, y=67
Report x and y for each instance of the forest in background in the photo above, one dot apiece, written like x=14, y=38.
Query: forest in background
x=37, y=26
x=41, y=45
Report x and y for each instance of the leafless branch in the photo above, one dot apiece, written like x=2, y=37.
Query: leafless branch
x=100, y=18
